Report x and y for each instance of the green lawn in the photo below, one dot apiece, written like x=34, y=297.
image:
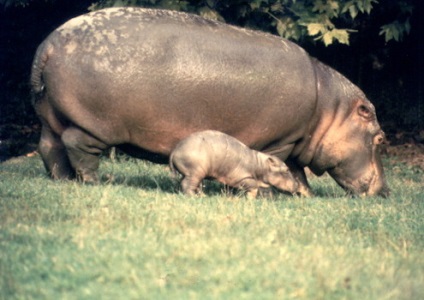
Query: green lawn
x=135, y=236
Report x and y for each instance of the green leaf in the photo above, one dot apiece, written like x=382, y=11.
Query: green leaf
x=210, y=3
x=368, y=5
x=346, y=6
x=334, y=5
x=211, y=14
x=319, y=6
x=353, y=11
x=327, y=38
x=390, y=32
x=315, y=28
x=280, y=28
x=395, y=30
x=360, y=5
x=341, y=35
x=288, y=28
x=256, y=4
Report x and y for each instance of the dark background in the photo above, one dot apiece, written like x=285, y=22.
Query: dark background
x=391, y=74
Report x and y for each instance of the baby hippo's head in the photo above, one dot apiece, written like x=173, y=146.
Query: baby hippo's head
x=279, y=175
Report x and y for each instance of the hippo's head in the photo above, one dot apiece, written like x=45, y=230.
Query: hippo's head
x=345, y=136
x=348, y=150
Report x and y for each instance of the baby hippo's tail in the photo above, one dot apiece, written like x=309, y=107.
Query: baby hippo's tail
x=172, y=166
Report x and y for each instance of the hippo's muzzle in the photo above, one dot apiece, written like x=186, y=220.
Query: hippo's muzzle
x=372, y=184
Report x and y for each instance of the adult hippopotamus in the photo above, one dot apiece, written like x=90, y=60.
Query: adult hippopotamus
x=144, y=79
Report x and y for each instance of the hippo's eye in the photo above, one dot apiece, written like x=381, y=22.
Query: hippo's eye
x=364, y=111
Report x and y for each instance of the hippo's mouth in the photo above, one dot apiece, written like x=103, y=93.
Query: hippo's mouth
x=355, y=187
x=363, y=186
x=351, y=189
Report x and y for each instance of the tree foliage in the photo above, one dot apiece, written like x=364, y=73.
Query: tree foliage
x=327, y=21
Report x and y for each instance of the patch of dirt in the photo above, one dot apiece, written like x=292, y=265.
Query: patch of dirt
x=17, y=140
x=410, y=154
x=406, y=147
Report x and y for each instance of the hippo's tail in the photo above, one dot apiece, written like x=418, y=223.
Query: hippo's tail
x=38, y=65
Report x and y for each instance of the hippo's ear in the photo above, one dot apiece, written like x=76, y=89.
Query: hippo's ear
x=274, y=163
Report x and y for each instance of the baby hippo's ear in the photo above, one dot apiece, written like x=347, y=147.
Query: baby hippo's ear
x=274, y=163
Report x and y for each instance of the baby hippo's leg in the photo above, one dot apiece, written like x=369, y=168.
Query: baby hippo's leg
x=250, y=185
x=266, y=192
x=252, y=193
x=191, y=185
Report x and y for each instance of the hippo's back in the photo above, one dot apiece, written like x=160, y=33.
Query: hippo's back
x=151, y=77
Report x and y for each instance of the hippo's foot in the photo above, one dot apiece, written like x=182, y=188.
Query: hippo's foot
x=54, y=155
x=252, y=193
x=266, y=193
x=61, y=171
x=250, y=185
x=83, y=152
x=87, y=177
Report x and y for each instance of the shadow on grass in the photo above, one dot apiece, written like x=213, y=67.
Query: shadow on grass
x=171, y=185
x=165, y=184
x=328, y=192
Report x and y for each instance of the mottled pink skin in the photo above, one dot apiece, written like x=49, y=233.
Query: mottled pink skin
x=213, y=154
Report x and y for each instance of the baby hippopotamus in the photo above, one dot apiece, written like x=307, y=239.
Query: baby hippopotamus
x=213, y=154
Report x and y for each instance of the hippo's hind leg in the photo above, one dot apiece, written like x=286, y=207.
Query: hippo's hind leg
x=53, y=153
x=84, y=153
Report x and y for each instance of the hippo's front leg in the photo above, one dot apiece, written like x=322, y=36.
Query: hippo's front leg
x=83, y=152
x=250, y=185
x=299, y=175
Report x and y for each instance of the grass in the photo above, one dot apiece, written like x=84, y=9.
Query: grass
x=134, y=236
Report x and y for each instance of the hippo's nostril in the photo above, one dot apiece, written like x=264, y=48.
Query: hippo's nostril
x=379, y=139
